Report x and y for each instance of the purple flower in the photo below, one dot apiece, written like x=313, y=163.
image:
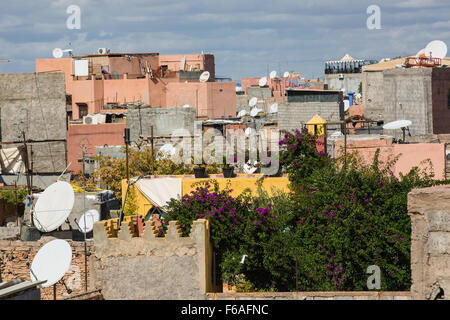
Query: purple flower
x=281, y=142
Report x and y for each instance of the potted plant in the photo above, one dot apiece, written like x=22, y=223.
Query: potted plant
x=200, y=170
x=227, y=169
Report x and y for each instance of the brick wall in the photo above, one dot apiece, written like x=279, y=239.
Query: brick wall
x=15, y=254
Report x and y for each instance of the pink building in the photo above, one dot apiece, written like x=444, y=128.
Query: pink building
x=100, y=82
x=410, y=155
x=90, y=136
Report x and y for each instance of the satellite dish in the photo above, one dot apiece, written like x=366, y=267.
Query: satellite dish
x=186, y=106
x=286, y=74
x=249, y=169
x=274, y=108
x=57, y=53
x=337, y=134
x=254, y=112
x=273, y=74
x=87, y=220
x=248, y=131
x=253, y=101
x=343, y=90
x=262, y=81
x=53, y=206
x=168, y=149
x=397, y=124
x=436, y=49
x=204, y=76
x=421, y=52
x=51, y=262
x=241, y=113
x=346, y=105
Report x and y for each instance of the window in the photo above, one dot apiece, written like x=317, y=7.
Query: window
x=82, y=110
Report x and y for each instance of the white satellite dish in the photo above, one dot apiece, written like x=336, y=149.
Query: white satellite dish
x=248, y=131
x=204, y=76
x=337, y=134
x=51, y=262
x=436, y=49
x=249, y=168
x=254, y=112
x=397, y=124
x=87, y=220
x=286, y=74
x=168, y=149
x=346, y=105
x=422, y=51
x=186, y=106
x=262, y=81
x=273, y=74
x=241, y=113
x=253, y=101
x=53, y=206
x=57, y=53
x=274, y=108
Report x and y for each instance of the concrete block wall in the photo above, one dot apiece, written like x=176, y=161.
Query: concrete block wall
x=350, y=82
x=15, y=254
x=429, y=210
x=294, y=115
x=164, y=121
x=36, y=104
x=373, y=94
x=407, y=95
x=150, y=267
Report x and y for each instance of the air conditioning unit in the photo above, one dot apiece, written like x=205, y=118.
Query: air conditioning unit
x=90, y=119
x=103, y=50
x=341, y=76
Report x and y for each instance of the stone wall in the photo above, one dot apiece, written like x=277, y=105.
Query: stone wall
x=36, y=104
x=15, y=254
x=326, y=295
x=294, y=115
x=150, y=267
x=429, y=210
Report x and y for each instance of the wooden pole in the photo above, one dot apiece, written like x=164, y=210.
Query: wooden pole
x=152, y=152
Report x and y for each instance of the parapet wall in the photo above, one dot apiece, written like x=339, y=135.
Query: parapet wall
x=429, y=210
x=150, y=267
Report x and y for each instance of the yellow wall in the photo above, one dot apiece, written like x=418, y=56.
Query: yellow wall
x=238, y=185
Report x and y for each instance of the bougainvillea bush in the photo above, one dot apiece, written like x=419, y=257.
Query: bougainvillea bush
x=340, y=217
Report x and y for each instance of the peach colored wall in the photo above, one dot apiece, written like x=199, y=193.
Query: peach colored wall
x=410, y=154
x=57, y=65
x=206, y=62
x=248, y=82
x=208, y=98
x=96, y=135
x=122, y=65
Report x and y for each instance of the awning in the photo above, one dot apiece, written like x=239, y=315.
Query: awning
x=160, y=190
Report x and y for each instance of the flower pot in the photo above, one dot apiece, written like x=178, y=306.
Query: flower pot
x=227, y=172
x=200, y=172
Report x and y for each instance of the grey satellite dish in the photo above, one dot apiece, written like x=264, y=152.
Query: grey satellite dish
x=273, y=74
x=253, y=101
x=53, y=206
x=241, y=113
x=51, y=262
x=274, y=108
x=57, y=53
x=262, y=82
x=87, y=220
x=436, y=49
x=204, y=76
x=286, y=74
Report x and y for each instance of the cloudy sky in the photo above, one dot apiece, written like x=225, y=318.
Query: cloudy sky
x=247, y=37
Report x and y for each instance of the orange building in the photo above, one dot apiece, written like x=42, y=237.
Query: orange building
x=103, y=82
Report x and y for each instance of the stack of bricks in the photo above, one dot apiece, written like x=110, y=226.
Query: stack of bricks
x=14, y=256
